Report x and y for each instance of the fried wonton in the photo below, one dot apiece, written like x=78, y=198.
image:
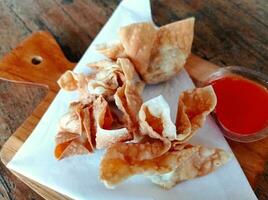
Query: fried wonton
x=170, y=51
x=110, y=75
x=72, y=138
x=155, y=122
x=193, y=108
x=112, y=50
x=120, y=162
x=68, y=81
x=138, y=40
x=131, y=75
x=87, y=126
x=191, y=162
x=107, y=76
x=105, y=135
x=157, y=54
x=71, y=81
x=128, y=97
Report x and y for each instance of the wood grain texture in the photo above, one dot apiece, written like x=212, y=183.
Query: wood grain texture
x=226, y=33
x=19, y=100
x=74, y=23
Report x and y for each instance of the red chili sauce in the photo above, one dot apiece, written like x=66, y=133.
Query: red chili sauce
x=242, y=104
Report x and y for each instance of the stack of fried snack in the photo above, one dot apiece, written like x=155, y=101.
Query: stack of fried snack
x=139, y=137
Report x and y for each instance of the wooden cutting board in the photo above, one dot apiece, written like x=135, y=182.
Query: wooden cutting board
x=39, y=60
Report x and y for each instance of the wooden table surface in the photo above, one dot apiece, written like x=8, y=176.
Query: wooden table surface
x=233, y=32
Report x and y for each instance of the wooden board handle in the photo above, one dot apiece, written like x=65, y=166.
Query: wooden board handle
x=38, y=59
x=199, y=69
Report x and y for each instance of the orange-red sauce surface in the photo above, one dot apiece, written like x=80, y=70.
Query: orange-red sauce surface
x=242, y=106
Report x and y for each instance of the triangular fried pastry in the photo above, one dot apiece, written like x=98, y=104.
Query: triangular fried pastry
x=67, y=81
x=155, y=122
x=191, y=162
x=154, y=119
x=138, y=40
x=170, y=51
x=157, y=54
x=72, y=138
x=71, y=81
x=112, y=50
x=107, y=76
x=120, y=162
x=193, y=108
x=128, y=97
x=123, y=160
x=106, y=136
x=131, y=75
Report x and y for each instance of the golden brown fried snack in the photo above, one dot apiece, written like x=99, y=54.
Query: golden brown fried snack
x=67, y=81
x=87, y=126
x=124, y=160
x=70, y=122
x=110, y=75
x=170, y=51
x=71, y=146
x=157, y=54
x=138, y=41
x=193, y=108
x=72, y=138
x=191, y=162
x=71, y=81
x=131, y=75
x=166, y=162
x=128, y=97
x=118, y=81
x=155, y=121
x=122, y=104
x=106, y=78
x=106, y=136
x=112, y=50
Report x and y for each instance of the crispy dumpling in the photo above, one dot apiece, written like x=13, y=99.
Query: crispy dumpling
x=170, y=51
x=120, y=162
x=191, y=162
x=112, y=50
x=193, y=108
x=71, y=81
x=105, y=135
x=72, y=138
x=158, y=54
